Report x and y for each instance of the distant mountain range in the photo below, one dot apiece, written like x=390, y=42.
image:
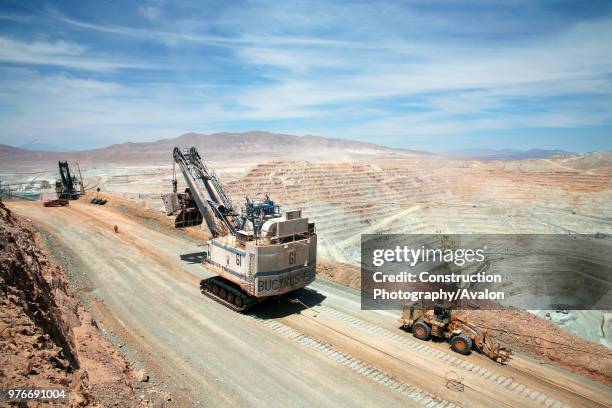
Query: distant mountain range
x=257, y=147
x=246, y=147
x=507, y=154
x=252, y=146
x=39, y=145
x=270, y=144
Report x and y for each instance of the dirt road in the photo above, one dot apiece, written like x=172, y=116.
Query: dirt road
x=142, y=284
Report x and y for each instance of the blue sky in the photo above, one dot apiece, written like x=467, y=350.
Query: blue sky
x=437, y=76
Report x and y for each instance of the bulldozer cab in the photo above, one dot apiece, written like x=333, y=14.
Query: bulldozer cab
x=442, y=313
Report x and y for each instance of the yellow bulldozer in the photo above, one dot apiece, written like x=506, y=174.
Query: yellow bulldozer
x=443, y=323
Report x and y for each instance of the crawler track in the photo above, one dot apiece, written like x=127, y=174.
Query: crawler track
x=228, y=294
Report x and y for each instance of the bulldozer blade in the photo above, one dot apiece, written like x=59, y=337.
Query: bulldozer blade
x=503, y=355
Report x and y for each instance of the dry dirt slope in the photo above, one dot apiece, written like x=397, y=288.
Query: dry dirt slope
x=47, y=339
x=185, y=334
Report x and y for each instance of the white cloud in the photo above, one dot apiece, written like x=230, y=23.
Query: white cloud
x=90, y=112
x=179, y=36
x=57, y=53
x=150, y=12
x=445, y=80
